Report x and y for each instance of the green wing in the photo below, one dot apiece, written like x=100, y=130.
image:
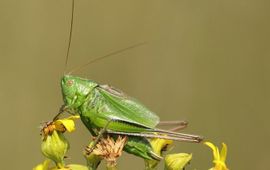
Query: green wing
x=125, y=109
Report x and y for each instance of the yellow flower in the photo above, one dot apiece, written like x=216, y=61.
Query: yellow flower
x=158, y=145
x=177, y=161
x=67, y=123
x=60, y=125
x=219, y=157
x=54, y=144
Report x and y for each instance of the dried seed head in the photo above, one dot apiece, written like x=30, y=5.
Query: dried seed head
x=109, y=149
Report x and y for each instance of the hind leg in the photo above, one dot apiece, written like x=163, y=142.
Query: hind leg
x=96, y=140
x=177, y=124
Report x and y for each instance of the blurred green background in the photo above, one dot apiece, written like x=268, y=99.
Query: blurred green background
x=205, y=61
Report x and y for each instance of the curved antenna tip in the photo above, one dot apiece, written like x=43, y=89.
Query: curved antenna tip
x=70, y=35
x=106, y=56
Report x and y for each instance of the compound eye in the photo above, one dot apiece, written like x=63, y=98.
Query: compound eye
x=70, y=83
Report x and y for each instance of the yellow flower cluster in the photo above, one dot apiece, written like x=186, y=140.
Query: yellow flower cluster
x=54, y=147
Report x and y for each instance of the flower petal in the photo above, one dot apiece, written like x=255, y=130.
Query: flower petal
x=43, y=166
x=219, y=157
x=159, y=145
x=214, y=149
x=68, y=123
x=223, y=153
x=76, y=167
x=177, y=161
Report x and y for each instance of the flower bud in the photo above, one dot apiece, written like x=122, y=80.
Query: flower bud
x=55, y=147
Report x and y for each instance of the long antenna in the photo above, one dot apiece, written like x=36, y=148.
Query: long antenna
x=105, y=56
x=70, y=34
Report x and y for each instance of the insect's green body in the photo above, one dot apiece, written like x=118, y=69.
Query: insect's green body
x=99, y=104
x=102, y=107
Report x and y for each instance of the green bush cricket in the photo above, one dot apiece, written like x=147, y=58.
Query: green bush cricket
x=104, y=109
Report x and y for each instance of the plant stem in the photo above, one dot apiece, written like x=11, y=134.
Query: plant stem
x=111, y=165
x=60, y=165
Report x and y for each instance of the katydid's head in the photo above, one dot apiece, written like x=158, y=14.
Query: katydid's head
x=75, y=90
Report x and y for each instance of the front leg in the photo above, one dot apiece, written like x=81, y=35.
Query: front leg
x=61, y=111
